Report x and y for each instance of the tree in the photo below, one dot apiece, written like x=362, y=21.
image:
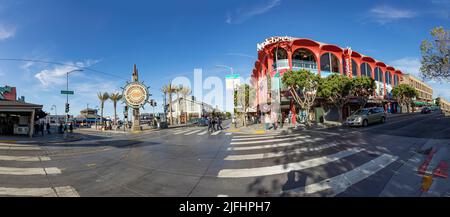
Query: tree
x=169, y=90
x=436, y=55
x=438, y=101
x=185, y=91
x=115, y=97
x=102, y=97
x=336, y=89
x=243, y=99
x=303, y=86
x=404, y=94
x=363, y=87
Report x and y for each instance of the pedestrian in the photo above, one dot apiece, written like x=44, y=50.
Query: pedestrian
x=48, y=128
x=71, y=128
x=41, y=128
x=219, y=123
x=209, y=122
x=267, y=121
x=60, y=128
x=214, y=122
x=233, y=120
x=65, y=128
x=274, y=120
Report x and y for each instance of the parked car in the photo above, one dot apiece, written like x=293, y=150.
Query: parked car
x=426, y=110
x=201, y=122
x=366, y=116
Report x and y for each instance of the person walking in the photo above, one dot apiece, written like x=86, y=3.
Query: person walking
x=209, y=122
x=71, y=128
x=267, y=121
x=41, y=128
x=48, y=128
x=219, y=123
x=233, y=120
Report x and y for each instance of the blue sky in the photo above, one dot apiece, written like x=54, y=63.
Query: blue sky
x=169, y=38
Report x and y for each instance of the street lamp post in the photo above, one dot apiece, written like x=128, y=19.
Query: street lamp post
x=67, y=98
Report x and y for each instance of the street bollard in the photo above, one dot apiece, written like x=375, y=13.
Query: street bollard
x=426, y=183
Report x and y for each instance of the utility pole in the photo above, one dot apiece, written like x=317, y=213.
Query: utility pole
x=67, y=98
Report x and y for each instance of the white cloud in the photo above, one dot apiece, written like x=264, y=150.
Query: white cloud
x=6, y=32
x=56, y=75
x=409, y=65
x=242, y=14
x=383, y=14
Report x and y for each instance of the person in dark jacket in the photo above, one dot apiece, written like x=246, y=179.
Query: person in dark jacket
x=48, y=128
x=219, y=123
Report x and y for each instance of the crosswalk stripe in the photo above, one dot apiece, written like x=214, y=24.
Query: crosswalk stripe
x=203, y=133
x=66, y=191
x=20, y=148
x=269, y=140
x=183, y=131
x=256, y=136
x=278, y=154
x=192, y=132
x=29, y=171
x=23, y=158
x=216, y=133
x=273, y=145
x=340, y=183
x=263, y=137
x=285, y=168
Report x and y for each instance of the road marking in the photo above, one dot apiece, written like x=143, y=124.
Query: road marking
x=266, y=141
x=183, y=131
x=216, y=133
x=285, y=168
x=203, y=133
x=278, y=154
x=228, y=134
x=340, y=183
x=192, y=132
x=29, y=171
x=23, y=158
x=66, y=191
x=273, y=145
x=222, y=195
x=264, y=137
x=323, y=132
x=256, y=136
x=20, y=148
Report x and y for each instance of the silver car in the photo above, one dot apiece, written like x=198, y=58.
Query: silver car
x=366, y=116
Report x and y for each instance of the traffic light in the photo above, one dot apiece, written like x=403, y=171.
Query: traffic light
x=67, y=107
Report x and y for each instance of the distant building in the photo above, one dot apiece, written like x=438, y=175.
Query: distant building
x=87, y=117
x=189, y=108
x=17, y=117
x=445, y=107
x=425, y=91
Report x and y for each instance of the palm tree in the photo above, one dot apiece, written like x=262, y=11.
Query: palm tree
x=102, y=97
x=178, y=91
x=169, y=90
x=115, y=97
x=185, y=91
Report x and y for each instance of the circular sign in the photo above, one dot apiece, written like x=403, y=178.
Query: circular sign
x=135, y=94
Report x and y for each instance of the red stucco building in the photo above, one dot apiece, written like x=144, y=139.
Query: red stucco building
x=280, y=54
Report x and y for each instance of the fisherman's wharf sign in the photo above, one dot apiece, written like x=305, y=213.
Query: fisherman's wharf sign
x=135, y=94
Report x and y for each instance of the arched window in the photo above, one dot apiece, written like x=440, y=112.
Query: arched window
x=388, y=78
x=280, y=58
x=354, y=68
x=366, y=70
x=329, y=62
x=303, y=58
x=378, y=75
x=395, y=80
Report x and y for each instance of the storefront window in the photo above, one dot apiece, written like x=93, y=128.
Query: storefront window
x=329, y=62
x=366, y=70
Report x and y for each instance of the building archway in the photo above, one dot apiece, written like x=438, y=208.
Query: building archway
x=303, y=58
x=366, y=70
x=329, y=63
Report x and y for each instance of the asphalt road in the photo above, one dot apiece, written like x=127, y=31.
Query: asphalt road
x=193, y=162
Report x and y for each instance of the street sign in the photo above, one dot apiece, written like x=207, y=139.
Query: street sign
x=234, y=76
x=67, y=92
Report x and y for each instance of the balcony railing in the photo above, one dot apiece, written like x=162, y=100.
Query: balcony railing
x=304, y=64
x=281, y=64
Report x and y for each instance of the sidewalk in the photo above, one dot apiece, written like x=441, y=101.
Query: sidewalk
x=52, y=138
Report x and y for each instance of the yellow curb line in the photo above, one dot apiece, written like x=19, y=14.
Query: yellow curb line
x=8, y=141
